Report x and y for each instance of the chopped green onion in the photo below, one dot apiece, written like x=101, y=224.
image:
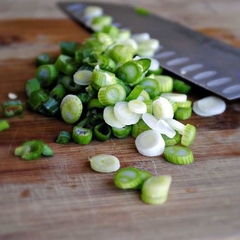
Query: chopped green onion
x=47, y=74
x=71, y=108
x=178, y=155
x=97, y=23
x=36, y=99
x=66, y=65
x=94, y=103
x=47, y=151
x=137, y=106
x=183, y=113
x=172, y=141
x=110, y=118
x=32, y=85
x=101, y=78
x=186, y=104
x=104, y=163
x=50, y=107
x=127, y=178
x=30, y=150
x=4, y=125
x=151, y=86
x=122, y=53
x=68, y=48
x=70, y=85
x=122, y=132
x=155, y=189
x=165, y=83
x=63, y=137
x=189, y=135
x=83, y=77
x=142, y=11
x=102, y=132
x=124, y=114
x=150, y=143
x=111, y=94
x=43, y=58
x=58, y=92
x=209, y=106
x=162, y=108
x=92, y=11
x=181, y=86
x=12, y=108
x=135, y=93
x=82, y=136
x=130, y=72
x=176, y=97
x=139, y=127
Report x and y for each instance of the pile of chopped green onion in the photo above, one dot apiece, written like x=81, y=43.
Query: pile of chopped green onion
x=111, y=85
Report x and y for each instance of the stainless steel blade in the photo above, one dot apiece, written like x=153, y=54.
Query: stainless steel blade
x=193, y=56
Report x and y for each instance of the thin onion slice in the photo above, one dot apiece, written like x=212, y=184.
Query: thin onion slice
x=104, y=163
x=150, y=143
x=209, y=106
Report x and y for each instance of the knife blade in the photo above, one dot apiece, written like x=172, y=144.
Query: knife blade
x=197, y=58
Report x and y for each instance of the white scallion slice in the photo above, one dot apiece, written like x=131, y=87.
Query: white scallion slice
x=139, y=37
x=176, y=125
x=104, y=163
x=166, y=128
x=209, y=106
x=155, y=189
x=124, y=115
x=110, y=119
x=137, y=106
x=150, y=143
x=151, y=121
x=155, y=65
x=92, y=11
x=12, y=96
x=178, y=155
x=83, y=77
x=162, y=108
x=176, y=97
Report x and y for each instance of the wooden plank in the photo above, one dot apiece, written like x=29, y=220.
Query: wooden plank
x=62, y=198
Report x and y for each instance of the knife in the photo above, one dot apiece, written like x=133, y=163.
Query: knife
x=197, y=58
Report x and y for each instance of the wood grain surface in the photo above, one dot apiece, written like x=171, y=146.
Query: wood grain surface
x=62, y=198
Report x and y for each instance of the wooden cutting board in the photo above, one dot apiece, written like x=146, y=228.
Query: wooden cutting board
x=62, y=198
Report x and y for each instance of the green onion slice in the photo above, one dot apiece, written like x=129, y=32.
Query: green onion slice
x=30, y=149
x=63, y=137
x=127, y=178
x=12, y=108
x=71, y=108
x=82, y=136
x=4, y=125
x=178, y=155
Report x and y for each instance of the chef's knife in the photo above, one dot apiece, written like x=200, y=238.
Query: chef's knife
x=193, y=56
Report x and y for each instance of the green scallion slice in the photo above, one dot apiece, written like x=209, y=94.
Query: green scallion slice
x=189, y=135
x=64, y=137
x=178, y=155
x=82, y=136
x=156, y=187
x=4, y=125
x=127, y=178
x=112, y=94
x=183, y=113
